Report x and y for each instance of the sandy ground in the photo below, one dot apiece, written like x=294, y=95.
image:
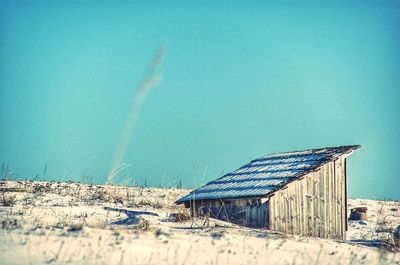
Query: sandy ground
x=70, y=223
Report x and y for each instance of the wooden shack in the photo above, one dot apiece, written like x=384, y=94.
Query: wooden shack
x=302, y=192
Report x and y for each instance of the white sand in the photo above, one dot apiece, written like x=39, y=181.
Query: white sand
x=61, y=223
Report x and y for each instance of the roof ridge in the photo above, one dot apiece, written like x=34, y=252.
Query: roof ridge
x=353, y=147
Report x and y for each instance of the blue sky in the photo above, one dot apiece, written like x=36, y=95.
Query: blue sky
x=239, y=80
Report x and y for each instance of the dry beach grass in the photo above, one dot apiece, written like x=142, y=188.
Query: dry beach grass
x=72, y=223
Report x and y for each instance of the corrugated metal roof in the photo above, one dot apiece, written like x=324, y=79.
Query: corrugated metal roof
x=267, y=174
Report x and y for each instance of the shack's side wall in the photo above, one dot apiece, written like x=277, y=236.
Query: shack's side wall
x=246, y=212
x=314, y=205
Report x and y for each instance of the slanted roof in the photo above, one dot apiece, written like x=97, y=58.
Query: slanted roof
x=267, y=174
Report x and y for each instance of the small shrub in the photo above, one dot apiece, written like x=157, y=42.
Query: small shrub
x=39, y=188
x=179, y=217
x=10, y=224
x=7, y=200
x=143, y=226
x=74, y=228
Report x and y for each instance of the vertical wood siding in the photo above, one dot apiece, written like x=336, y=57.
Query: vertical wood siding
x=314, y=205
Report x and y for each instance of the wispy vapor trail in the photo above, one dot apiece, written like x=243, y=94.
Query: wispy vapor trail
x=149, y=80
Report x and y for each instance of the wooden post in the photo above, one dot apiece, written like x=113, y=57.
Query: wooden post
x=316, y=203
x=322, y=202
x=302, y=206
x=310, y=205
x=345, y=190
x=271, y=209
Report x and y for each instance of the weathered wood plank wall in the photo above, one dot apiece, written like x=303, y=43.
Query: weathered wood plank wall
x=314, y=205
